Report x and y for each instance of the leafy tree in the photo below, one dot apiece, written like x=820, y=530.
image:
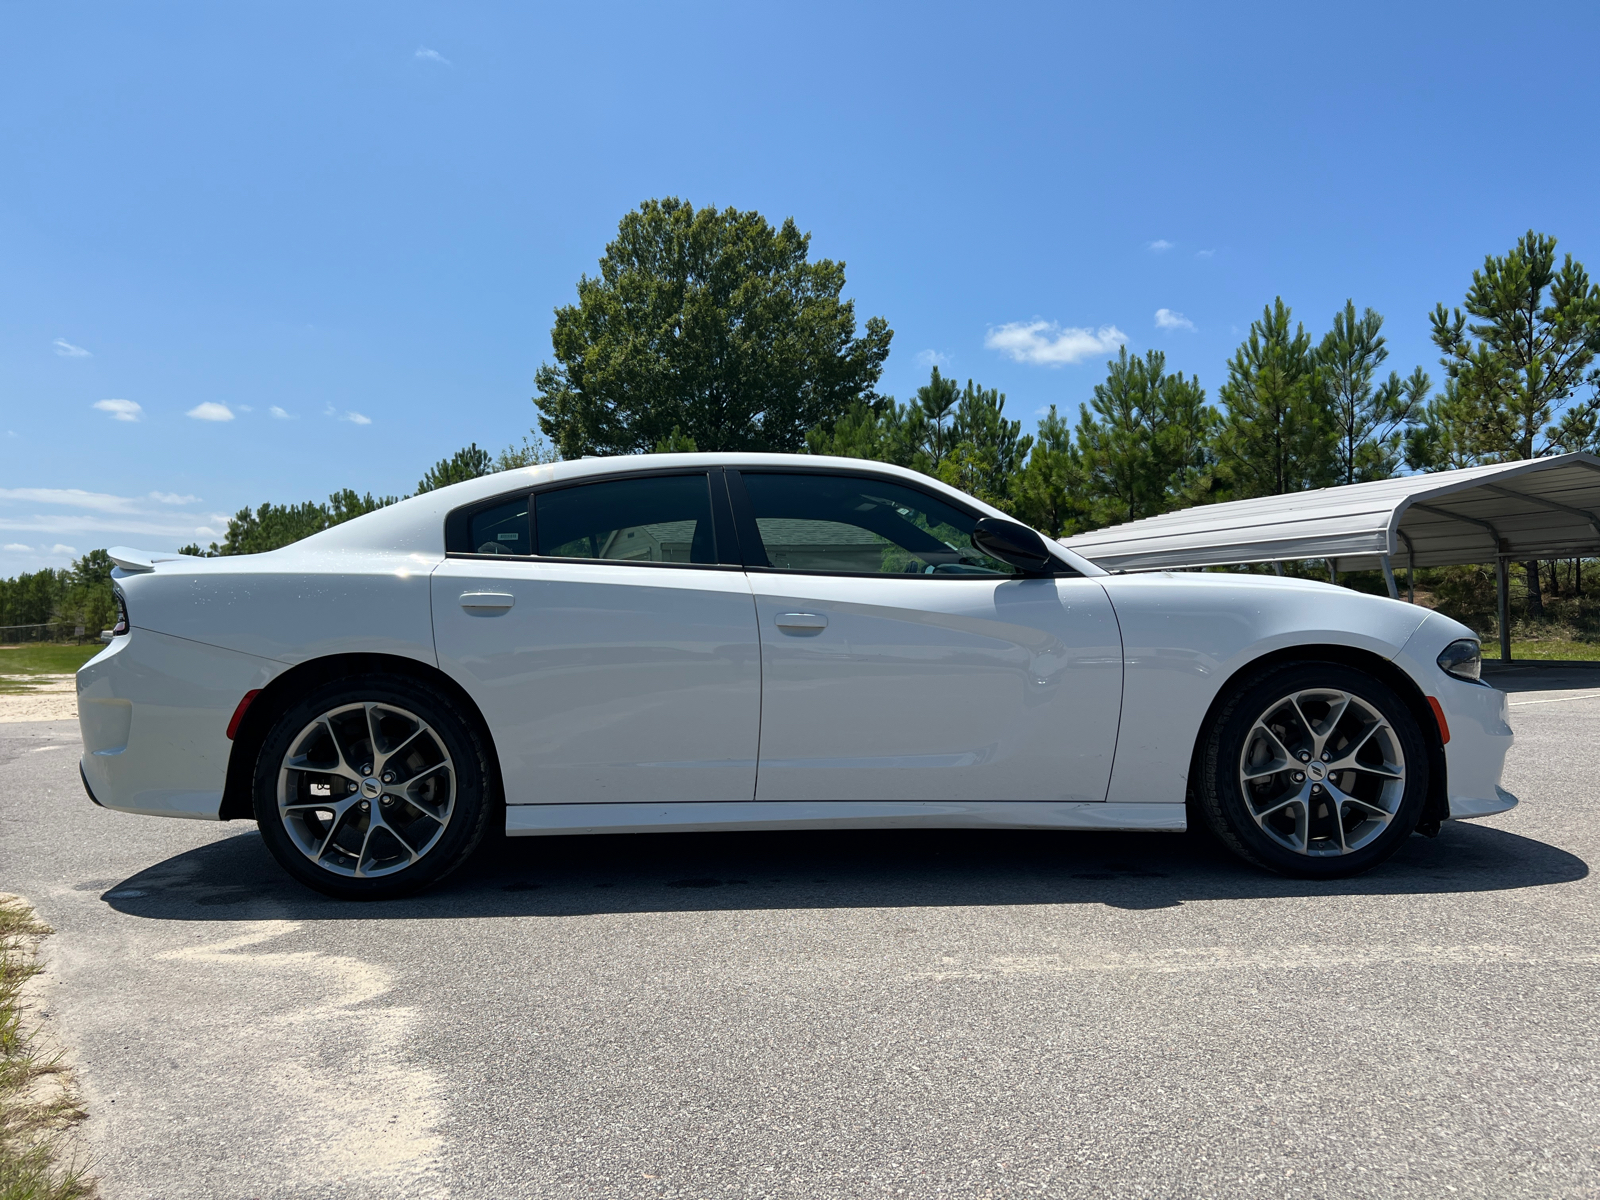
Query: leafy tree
x=530, y=454
x=1369, y=421
x=1529, y=346
x=465, y=464
x=272, y=526
x=1146, y=447
x=710, y=322
x=676, y=442
x=1276, y=437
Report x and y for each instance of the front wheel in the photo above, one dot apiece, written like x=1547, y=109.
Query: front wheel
x=1313, y=769
x=371, y=788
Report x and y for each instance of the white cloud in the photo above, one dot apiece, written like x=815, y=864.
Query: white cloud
x=245, y=408
x=120, y=410
x=172, y=498
x=18, y=548
x=1046, y=344
x=280, y=414
x=67, y=350
x=210, y=411
x=101, y=518
x=1167, y=319
x=1160, y=245
x=932, y=358
x=1204, y=253
x=58, y=548
x=356, y=418
x=427, y=55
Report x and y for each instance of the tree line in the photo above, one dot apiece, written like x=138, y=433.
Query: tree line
x=712, y=329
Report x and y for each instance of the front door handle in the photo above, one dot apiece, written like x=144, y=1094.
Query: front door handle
x=802, y=622
x=487, y=603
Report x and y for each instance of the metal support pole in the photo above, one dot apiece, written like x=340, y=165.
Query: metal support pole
x=1277, y=569
x=1411, y=584
x=1502, y=585
x=1388, y=577
x=1333, y=570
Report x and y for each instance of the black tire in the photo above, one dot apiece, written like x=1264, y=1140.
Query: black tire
x=1273, y=841
x=440, y=744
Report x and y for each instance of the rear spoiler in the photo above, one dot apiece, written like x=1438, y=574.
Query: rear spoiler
x=138, y=561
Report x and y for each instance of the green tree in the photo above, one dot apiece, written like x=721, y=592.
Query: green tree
x=272, y=526
x=1528, y=347
x=1369, y=418
x=1146, y=447
x=1050, y=489
x=986, y=450
x=676, y=442
x=1276, y=436
x=710, y=322
x=464, y=464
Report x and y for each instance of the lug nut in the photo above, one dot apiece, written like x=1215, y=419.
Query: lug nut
x=1299, y=776
x=367, y=769
x=1305, y=756
x=350, y=787
x=1316, y=789
x=1325, y=757
x=387, y=801
x=388, y=776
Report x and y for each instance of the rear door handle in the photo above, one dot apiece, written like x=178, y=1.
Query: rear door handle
x=487, y=602
x=802, y=622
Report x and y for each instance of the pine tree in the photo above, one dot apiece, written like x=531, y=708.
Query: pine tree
x=1146, y=447
x=1276, y=436
x=1369, y=420
x=1521, y=359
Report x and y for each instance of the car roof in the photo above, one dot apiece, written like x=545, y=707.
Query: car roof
x=416, y=524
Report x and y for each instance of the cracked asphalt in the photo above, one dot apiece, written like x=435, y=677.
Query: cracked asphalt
x=840, y=1015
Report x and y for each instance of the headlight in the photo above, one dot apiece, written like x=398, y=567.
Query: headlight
x=121, y=627
x=1463, y=659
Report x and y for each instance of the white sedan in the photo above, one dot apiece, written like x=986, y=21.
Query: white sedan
x=756, y=641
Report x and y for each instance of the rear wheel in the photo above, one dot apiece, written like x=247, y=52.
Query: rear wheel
x=1313, y=769
x=372, y=787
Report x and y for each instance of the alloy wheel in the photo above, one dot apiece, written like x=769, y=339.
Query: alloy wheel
x=366, y=789
x=1322, y=772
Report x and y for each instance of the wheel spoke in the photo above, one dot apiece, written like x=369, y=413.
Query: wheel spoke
x=382, y=760
x=1282, y=750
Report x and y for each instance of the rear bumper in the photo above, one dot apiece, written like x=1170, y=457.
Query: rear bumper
x=154, y=711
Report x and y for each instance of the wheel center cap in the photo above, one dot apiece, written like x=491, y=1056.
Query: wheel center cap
x=1316, y=772
x=372, y=789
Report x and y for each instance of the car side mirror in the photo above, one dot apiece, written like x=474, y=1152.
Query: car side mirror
x=1012, y=543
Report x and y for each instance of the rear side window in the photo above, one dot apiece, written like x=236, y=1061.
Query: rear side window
x=660, y=518
x=501, y=530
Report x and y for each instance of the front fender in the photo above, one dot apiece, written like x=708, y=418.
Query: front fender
x=1185, y=636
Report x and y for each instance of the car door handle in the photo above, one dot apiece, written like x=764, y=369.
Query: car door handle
x=802, y=622
x=487, y=602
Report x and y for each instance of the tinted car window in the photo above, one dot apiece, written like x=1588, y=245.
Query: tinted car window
x=852, y=525
x=662, y=518
x=502, y=529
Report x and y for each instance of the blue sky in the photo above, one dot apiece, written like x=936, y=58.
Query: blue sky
x=362, y=215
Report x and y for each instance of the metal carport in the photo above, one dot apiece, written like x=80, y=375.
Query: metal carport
x=1505, y=512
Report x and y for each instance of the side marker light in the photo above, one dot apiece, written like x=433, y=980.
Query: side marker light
x=1438, y=715
x=238, y=713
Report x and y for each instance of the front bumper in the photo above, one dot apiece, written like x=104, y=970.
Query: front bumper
x=154, y=711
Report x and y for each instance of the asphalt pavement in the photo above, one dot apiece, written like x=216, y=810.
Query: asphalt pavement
x=833, y=1015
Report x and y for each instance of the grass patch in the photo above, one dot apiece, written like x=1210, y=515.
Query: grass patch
x=45, y=658
x=1546, y=648
x=34, y=1107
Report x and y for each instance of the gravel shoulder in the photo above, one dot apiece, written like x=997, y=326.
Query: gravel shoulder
x=795, y=1015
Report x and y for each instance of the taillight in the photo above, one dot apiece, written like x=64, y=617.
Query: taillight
x=121, y=627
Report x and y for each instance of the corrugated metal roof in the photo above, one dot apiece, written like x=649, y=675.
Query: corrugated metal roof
x=1534, y=508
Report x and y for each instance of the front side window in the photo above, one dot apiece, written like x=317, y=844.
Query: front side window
x=659, y=519
x=857, y=526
